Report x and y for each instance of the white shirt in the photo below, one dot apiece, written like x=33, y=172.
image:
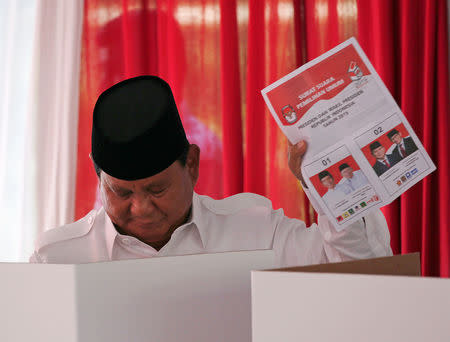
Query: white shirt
x=237, y=223
x=333, y=196
x=358, y=180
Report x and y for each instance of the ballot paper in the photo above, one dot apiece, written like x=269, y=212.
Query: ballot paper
x=362, y=152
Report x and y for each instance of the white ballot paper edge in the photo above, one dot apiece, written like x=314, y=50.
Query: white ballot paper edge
x=362, y=152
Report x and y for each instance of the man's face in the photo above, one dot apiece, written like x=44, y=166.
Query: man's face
x=379, y=152
x=328, y=182
x=150, y=209
x=396, y=138
x=347, y=172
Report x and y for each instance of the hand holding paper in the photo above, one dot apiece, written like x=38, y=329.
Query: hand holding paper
x=295, y=158
x=362, y=152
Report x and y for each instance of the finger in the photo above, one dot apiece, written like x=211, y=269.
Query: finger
x=299, y=148
x=300, y=143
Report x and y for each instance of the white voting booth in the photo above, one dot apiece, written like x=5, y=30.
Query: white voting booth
x=375, y=300
x=187, y=298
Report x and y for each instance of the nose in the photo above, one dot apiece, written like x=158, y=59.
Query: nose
x=142, y=206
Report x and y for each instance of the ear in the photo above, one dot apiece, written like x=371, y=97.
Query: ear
x=193, y=162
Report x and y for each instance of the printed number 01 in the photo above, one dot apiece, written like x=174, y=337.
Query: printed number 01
x=326, y=161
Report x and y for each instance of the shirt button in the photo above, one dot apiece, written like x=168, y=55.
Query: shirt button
x=126, y=241
x=90, y=219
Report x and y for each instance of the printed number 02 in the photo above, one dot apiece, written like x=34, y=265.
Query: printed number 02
x=378, y=130
x=325, y=162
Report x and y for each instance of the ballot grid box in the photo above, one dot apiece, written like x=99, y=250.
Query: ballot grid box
x=381, y=299
x=185, y=298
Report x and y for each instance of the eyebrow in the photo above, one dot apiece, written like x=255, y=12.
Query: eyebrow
x=116, y=188
x=160, y=184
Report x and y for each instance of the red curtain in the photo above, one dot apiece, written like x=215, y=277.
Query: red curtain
x=218, y=55
x=407, y=43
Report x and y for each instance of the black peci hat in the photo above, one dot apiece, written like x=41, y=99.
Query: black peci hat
x=324, y=174
x=392, y=133
x=343, y=166
x=136, y=130
x=375, y=145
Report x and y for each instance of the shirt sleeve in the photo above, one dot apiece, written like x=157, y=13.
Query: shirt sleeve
x=295, y=244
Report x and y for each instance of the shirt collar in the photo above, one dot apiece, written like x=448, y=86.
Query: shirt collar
x=195, y=219
x=110, y=234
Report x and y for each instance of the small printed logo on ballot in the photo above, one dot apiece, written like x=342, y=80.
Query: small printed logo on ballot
x=289, y=114
x=356, y=74
x=356, y=71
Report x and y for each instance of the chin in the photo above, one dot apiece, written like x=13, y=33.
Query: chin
x=154, y=228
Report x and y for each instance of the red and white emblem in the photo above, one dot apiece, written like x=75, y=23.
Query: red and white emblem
x=289, y=114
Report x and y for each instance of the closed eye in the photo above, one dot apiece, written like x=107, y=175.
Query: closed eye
x=157, y=192
x=157, y=189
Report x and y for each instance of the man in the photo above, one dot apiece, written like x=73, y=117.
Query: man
x=147, y=172
x=335, y=191
x=352, y=179
x=383, y=161
x=404, y=146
